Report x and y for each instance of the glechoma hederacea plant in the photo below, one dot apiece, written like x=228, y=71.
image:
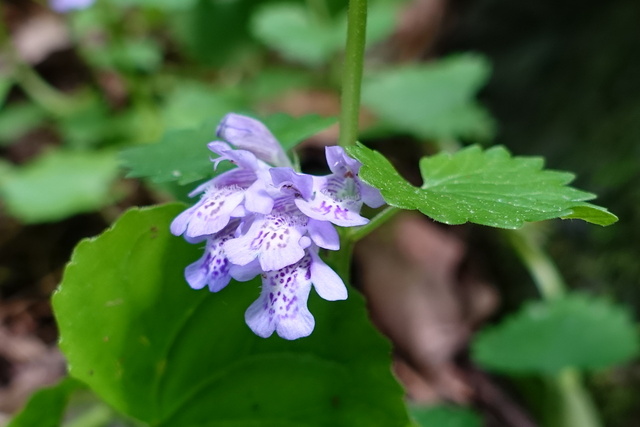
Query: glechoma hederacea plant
x=267, y=239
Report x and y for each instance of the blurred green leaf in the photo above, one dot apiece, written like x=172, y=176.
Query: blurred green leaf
x=214, y=32
x=183, y=156
x=46, y=407
x=444, y=416
x=484, y=187
x=18, y=119
x=59, y=184
x=291, y=30
x=168, y=5
x=151, y=347
x=545, y=337
x=435, y=100
x=272, y=82
x=189, y=104
x=6, y=82
x=290, y=131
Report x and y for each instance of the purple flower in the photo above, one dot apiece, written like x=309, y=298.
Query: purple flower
x=63, y=6
x=282, y=305
x=264, y=218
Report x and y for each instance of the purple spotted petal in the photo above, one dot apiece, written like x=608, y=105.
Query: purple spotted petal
x=251, y=135
x=282, y=306
x=213, y=268
x=210, y=215
x=274, y=240
x=336, y=200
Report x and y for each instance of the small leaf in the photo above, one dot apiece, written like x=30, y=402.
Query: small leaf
x=156, y=350
x=432, y=100
x=444, y=416
x=291, y=30
x=59, y=184
x=484, y=187
x=47, y=406
x=545, y=337
x=183, y=156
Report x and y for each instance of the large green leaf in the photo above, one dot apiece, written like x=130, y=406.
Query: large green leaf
x=434, y=100
x=545, y=337
x=58, y=185
x=46, y=407
x=488, y=187
x=182, y=155
x=134, y=331
x=444, y=416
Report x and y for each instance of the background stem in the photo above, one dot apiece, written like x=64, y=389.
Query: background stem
x=575, y=407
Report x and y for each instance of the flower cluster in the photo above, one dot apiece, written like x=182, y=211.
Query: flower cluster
x=264, y=218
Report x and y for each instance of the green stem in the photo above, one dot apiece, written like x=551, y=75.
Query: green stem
x=545, y=274
x=32, y=84
x=576, y=408
x=352, y=74
x=355, y=234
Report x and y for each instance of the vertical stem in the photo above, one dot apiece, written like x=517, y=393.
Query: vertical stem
x=352, y=74
x=576, y=408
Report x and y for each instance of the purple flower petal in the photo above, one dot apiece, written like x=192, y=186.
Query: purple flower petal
x=213, y=268
x=326, y=282
x=273, y=239
x=336, y=200
x=323, y=234
x=210, y=215
x=249, y=134
x=282, y=306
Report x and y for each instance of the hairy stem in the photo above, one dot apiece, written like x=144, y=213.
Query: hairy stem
x=352, y=74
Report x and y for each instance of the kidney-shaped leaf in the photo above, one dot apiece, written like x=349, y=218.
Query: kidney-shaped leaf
x=134, y=331
x=545, y=337
x=484, y=187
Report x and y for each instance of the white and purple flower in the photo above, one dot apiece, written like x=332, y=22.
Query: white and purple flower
x=263, y=218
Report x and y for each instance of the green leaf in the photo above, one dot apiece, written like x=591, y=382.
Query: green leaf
x=444, y=416
x=545, y=337
x=434, y=100
x=58, y=185
x=168, y=5
x=488, y=187
x=290, y=131
x=190, y=104
x=156, y=350
x=292, y=31
x=46, y=407
x=183, y=156
x=18, y=119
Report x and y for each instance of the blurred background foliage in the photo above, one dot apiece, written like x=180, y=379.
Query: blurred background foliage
x=88, y=96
